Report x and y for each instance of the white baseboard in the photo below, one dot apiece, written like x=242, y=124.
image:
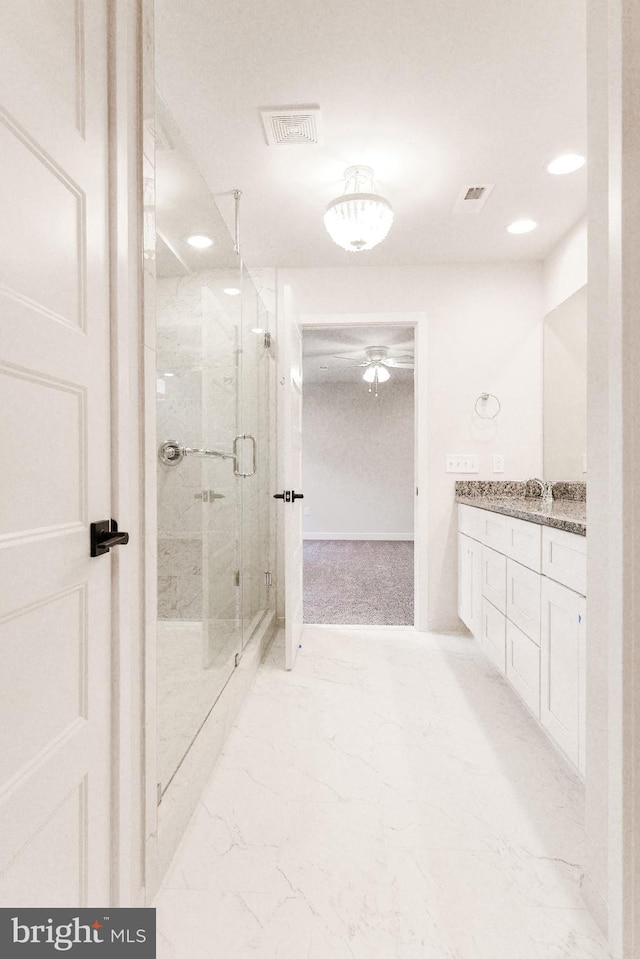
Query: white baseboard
x=362, y=536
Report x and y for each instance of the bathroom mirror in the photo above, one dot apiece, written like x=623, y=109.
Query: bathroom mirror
x=565, y=390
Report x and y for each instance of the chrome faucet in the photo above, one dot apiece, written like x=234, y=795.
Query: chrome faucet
x=546, y=489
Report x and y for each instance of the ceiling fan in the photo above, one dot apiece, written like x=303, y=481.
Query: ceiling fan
x=379, y=356
x=376, y=363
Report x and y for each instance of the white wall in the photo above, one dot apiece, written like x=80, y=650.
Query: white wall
x=357, y=460
x=484, y=333
x=565, y=269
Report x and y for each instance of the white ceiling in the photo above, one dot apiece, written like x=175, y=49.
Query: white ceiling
x=433, y=94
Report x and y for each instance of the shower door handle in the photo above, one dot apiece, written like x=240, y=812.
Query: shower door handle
x=254, y=455
x=295, y=496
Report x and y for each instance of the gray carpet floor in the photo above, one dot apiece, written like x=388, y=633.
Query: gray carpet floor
x=362, y=582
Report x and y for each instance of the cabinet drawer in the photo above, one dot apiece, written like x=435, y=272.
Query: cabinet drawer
x=494, y=530
x=522, y=543
x=494, y=571
x=564, y=558
x=470, y=521
x=523, y=667
x=523, y=599
x=493, y=634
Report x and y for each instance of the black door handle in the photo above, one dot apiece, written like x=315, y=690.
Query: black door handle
x=289, y=496
x=104, y=535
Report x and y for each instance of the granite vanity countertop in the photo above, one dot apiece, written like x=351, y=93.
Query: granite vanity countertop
x=562, y=513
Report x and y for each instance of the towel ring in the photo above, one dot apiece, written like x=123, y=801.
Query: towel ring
x=484, y=397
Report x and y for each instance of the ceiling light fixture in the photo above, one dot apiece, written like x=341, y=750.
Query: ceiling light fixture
x=199, y=241
x=360, y=218
x=374, y=374
x=522, y=226
x=568, y=163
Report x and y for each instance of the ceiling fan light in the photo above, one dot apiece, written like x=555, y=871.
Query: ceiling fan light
x=369, y=374
x=360, y=218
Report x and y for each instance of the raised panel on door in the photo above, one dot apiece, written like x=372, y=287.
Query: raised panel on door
x=523, y=599
x=562, y=666
x=55, y=600
x=523, y=667
x=523, y=542
x=494, y=634
x=494, y=567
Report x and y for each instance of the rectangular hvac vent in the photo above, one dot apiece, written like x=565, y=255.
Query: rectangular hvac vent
x=472, y=197
x=284, y=125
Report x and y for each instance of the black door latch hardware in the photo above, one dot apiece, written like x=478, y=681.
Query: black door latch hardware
x=289, y=496
x=104, y=535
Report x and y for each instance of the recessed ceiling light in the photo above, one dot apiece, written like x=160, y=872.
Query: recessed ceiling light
x=522, y=226
x=568, y=163
x=232, y=290
x=199, y=242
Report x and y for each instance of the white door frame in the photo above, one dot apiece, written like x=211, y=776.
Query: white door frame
x=418, y=322
x=129, y=23
x=613, y=568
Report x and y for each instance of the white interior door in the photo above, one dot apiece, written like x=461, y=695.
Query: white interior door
x=55, y=429
x=292, y=440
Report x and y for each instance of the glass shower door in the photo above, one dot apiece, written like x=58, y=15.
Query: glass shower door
x=199, y=507
x=257, y=371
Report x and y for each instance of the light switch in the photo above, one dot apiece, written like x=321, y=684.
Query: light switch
x=462, y=463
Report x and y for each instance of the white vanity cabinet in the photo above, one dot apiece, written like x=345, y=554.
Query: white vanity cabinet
x=522, y=594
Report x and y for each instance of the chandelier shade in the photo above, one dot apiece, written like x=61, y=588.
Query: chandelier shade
x=360, y=218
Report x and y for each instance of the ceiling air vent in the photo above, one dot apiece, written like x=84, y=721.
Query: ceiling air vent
x=284, y=125
x=472, y=197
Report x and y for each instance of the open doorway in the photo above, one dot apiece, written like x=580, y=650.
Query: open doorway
x=359, y=475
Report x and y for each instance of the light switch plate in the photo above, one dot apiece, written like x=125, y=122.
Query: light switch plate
x=306, y=511
x=462, y=463
x=498, y=463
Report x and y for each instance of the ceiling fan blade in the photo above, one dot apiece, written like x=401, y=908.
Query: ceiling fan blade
x=354, y=355
x=400, y=362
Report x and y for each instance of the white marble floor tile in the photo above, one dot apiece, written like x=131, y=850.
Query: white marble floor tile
x=390, y=798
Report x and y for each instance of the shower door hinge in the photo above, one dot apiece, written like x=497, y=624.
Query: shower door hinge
x=267, y=340
x=236, y=659
x=237, y=577
x=268, y=579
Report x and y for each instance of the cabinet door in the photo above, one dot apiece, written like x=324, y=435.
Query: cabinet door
x=523, y=667
x=494, y=634
x=562, y=661
x=470, y=583
x=523, y=599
